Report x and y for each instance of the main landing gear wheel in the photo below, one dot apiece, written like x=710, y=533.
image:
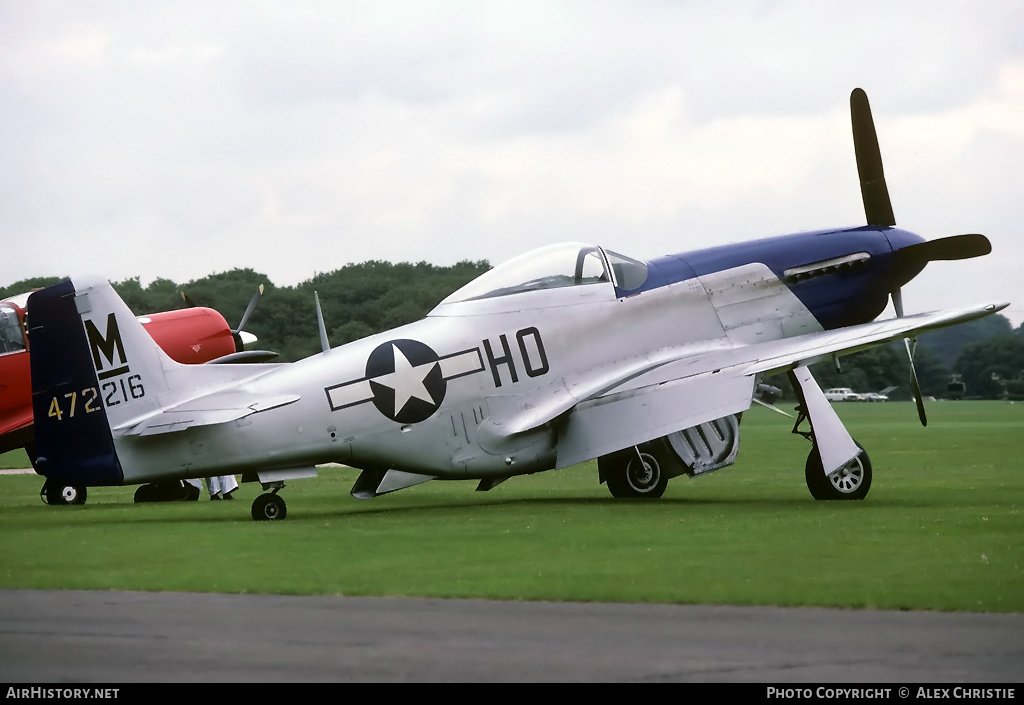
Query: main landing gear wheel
x=627, y=477
x=852, y=481
x=55, y=493
x=173, y=491
x=269, y=507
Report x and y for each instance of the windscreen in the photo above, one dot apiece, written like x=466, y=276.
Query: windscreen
x=11, y=337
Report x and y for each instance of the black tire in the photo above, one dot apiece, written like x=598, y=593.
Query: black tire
x=627, y=478
x=852, y=481
x=174, y=491
x=269, y=507
x=56, y=493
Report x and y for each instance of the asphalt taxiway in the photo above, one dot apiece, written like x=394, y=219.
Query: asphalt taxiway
x=136, y=637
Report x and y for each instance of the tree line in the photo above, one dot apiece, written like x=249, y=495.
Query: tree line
x=982, y=358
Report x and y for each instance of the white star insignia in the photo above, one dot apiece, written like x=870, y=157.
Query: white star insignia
x=407, y=381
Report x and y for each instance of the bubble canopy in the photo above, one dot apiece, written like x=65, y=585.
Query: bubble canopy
x=552, y=267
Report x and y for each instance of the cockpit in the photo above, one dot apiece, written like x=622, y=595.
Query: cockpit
x=563, y=265
x=12, y=338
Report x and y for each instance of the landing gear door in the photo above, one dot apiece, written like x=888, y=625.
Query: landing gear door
x=834, y=443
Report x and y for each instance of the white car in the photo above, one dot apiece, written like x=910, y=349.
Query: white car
x=842, y=394
x=874, y=396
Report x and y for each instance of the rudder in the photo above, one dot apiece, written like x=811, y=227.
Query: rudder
x=73, y=438
x=94, y=368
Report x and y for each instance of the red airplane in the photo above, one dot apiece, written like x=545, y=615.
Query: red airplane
x=191, y=335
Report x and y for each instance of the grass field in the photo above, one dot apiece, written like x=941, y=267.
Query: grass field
x=942, y=529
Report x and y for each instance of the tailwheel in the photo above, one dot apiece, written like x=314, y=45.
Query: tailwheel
x=632, y=474
x=269, y=507
x=852, y=481
x=73, y=494
x=56, y=493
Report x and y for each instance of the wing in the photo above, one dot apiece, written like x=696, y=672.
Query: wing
x=805, y=350
x=669, y=390
x=600, y=426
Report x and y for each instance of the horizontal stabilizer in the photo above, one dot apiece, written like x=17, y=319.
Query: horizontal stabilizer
x=219, y=407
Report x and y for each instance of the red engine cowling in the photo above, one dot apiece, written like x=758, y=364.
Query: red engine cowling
x=190, y=335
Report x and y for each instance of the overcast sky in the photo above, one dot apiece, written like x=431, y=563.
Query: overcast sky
x=179, y=139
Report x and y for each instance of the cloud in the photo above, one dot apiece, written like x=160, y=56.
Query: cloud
x=176, y=140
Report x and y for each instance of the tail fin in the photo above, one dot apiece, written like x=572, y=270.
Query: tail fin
x=94, y=368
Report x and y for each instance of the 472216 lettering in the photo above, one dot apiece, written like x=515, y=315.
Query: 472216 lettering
x=86, y=401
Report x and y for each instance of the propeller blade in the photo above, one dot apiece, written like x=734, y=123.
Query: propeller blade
x=250, y=308
x=240, y=336
x=897, y=302
x=914, y=384
x=188, y=302
x=324, y=345
x=877, y=206
x=949, y=248
x=911, y=345
x=910, y=260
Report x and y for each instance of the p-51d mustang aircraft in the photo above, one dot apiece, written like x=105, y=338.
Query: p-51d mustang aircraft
x=565, y=354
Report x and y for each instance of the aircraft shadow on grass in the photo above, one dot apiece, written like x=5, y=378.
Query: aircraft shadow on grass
x=143, y=514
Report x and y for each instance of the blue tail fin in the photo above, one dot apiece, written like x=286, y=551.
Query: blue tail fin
x=73, y=438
